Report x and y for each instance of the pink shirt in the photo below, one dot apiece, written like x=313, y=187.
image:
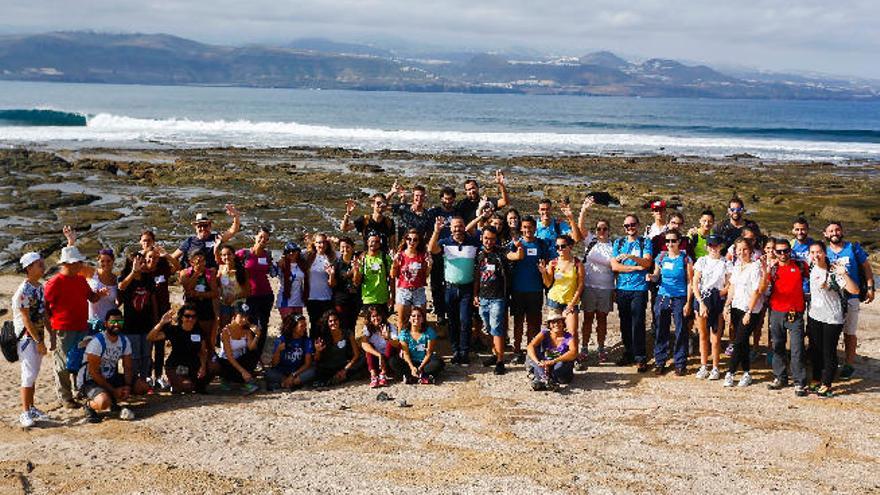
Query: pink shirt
x=258, y=271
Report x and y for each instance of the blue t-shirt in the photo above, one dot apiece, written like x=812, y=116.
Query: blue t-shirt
x=673, y=275
x=294, y=354
x=458, y=259
x=801, y=252
x=640, y=247
x=417, y=348
x=526, y=277
x=550, y=233
x=853, y=256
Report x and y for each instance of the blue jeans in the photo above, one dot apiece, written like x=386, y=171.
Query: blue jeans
x=561, y=372
x=459, y=307
x=492, y=311
x=631, y=305
x=666, y=310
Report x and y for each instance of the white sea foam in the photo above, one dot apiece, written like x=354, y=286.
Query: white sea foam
x=196, y=133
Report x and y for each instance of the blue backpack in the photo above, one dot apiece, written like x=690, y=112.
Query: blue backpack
x=76, y=355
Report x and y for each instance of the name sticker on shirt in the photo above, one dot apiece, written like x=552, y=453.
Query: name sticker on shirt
x=201, y=288
x=375, y=267
x=195, y=337
x=159, y=279
x=416, y=265
x=558, y=275
x=209, y=244
x=262, y=261
x=635, y=251
x=224, y=280
x=667, y=265
x=532, y=252
x=490, y=268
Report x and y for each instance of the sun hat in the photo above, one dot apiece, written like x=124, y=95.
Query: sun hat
x=201, y=218
x=28, y=259
x=70, y=254
x=554, y=314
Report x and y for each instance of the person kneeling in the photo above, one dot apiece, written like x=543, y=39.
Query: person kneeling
x=238, y=354
x=293, y=355
x=186, y=368
x=99, y=381
x=551, y=354
x=380, y=345
x=420, y=363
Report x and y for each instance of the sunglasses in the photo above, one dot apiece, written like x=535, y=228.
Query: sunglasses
x=561, y=246
x=630, y=225
x=783, y=251
x=601, y=229
x=673, y=241
x=735, y=210
x=188, y=315
x=413, y=239
x=116, y=322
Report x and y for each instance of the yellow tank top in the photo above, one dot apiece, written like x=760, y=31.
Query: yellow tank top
x=564, y=285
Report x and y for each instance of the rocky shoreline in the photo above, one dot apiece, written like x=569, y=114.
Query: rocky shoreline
x=109, y=195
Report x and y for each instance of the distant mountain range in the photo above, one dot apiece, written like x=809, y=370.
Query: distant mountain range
x=319, y=63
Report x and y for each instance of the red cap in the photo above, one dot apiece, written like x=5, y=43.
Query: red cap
x=658, y=205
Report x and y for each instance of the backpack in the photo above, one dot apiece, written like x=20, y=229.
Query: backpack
x=9, y=341
x=589, y=248
x=642, y=240
x=76, y=355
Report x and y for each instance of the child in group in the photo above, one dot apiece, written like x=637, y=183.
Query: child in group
x=380, y=345
x=29, y=321
x=293, y=355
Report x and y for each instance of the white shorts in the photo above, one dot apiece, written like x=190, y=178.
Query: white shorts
x=851, y=321
x=30, y=360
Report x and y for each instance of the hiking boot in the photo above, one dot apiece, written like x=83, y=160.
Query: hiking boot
x=777, y=384
x=500, y=369
x=91, y=415
x=846, y=372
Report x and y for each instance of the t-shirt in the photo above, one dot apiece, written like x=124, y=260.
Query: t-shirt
x=801, y=252
x=336, y=354
x=492, y=269
x=438, y=212
x=653, y=230
x=319, y=281
x=673, y=275
x=161, y=278
x=294, y=354
x=413, y=270
x=546, y=350
x=640, y=247
x=458, y=259
x=658, y=245
x=851, y=255
x=730, y=232
x=597, y=265
x=408, y=219
x=787, y=293
x=137, y=305
x=28, y=298
x=525, y=274
x=418, y=348
x=98, y=309
x=258, y=269
x=205, y=246
x=374, y=284
x=826, y=304
x=384, y=227
x=185, y=346
x=700, y=248
x=67, y=299
x=112, y=353
x=467, y=208
x=712, y=273
x=345, y=288
x=377, y=340
x=294, y=297
x=746, y=279
x=549, y=233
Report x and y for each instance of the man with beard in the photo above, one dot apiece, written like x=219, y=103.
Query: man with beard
x=411, y=216
x=731, y=228
x=852, y=256
x=205, y=238
x=467, y=207
x=800, y=245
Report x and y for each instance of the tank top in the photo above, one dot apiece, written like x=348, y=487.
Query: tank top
x=230, y=289
x=239, y=347
x=319, y=281
x=673, y=275
x=98, y=310
x=564, y=285
x=547, y=351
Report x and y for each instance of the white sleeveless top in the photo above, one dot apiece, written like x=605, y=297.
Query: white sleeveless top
x=98, y=310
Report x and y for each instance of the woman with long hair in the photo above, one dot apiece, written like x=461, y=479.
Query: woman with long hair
x=417, y=343
x=338, y=356
x=234, y=285
x=410, y=270
x=320, y=260
x=292, y=271
x=346, y=288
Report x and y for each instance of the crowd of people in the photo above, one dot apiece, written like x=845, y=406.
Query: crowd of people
x=489, y=268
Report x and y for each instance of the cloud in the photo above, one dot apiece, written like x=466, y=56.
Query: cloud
x=838, y=37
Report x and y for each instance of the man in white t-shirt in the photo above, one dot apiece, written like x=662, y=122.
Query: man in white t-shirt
x=99, y=381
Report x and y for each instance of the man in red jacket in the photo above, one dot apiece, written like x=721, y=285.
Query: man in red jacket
x=67, y=299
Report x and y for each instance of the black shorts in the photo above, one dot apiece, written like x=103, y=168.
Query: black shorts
x=714, y=305
x=526, y=303
x=89, y=390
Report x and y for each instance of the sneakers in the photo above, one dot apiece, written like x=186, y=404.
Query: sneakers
x=846, y=372
x=702, y=373
x=374, y=381
x=37, y=415
x=776, y=384
x=729, y=350
x=660, y=369
x=91, y=415
x=500, y=369
x=427, y=380
x=603, y=356
x=518, y=358
x=490, y=361
x=464, y=361
x=643, y=367
x=539, y=385
x=681, y=371
x=249, y=388
x=410, y=380
x=163, y=384
x=25, y=420
x=746, y=380
x=456, y=359
x=383, y=381
x=624, y=361
x=580, y=363
x=715, y=374
x=126, y=414
x=728, y=379
x=800, y=391
x=825, y=392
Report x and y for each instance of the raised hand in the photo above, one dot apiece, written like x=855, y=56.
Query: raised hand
x=499, y=177
x=350, y=205
x=167, y=317
x=439, y=223
x=588, y=203
x=69, y=234
x=565, y=208
x=231, y=210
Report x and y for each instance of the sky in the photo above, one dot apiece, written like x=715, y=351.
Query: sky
x=839, y=37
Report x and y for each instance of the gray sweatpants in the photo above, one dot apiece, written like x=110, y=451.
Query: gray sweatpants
x=780, y=327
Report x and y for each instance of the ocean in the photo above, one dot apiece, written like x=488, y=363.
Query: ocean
x=65, y=115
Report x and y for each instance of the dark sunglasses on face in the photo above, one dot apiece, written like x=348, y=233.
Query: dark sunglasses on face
x=561, y=246
x=188, y=315
x=672, y=241
x=630, y=225
x=735, y=210
x=783, y=251
x=413, y=239
x=601, y=229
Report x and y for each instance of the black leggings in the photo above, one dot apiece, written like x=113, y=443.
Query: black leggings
x=316, y=310
x=740, y=357
x=823, y=349
x=228, y=372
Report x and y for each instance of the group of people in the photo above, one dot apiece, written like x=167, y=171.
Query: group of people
x=552, y=278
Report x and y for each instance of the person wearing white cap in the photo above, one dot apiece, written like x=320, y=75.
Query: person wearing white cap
x=29, y=320
x=205, y=238
x=67, y=298
x=551, y=354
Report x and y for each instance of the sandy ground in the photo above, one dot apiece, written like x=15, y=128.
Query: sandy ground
x=611, y=431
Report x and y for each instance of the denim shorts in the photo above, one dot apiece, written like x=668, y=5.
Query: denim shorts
x=493, y=312
x=411, y=297
x=558, y=305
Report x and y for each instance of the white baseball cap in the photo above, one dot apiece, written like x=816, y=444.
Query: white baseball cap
x=29, y=258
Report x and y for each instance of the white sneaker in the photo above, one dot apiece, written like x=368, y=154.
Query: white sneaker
x=26, y=420
x=38, y=415
x=125, y=414
x=163, y=384
x=728, y=379
x=714, y=374
x=746, y=380
x=702, y=373
x=150, y=382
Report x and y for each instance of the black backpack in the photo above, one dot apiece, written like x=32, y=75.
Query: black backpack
x=9, y=341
